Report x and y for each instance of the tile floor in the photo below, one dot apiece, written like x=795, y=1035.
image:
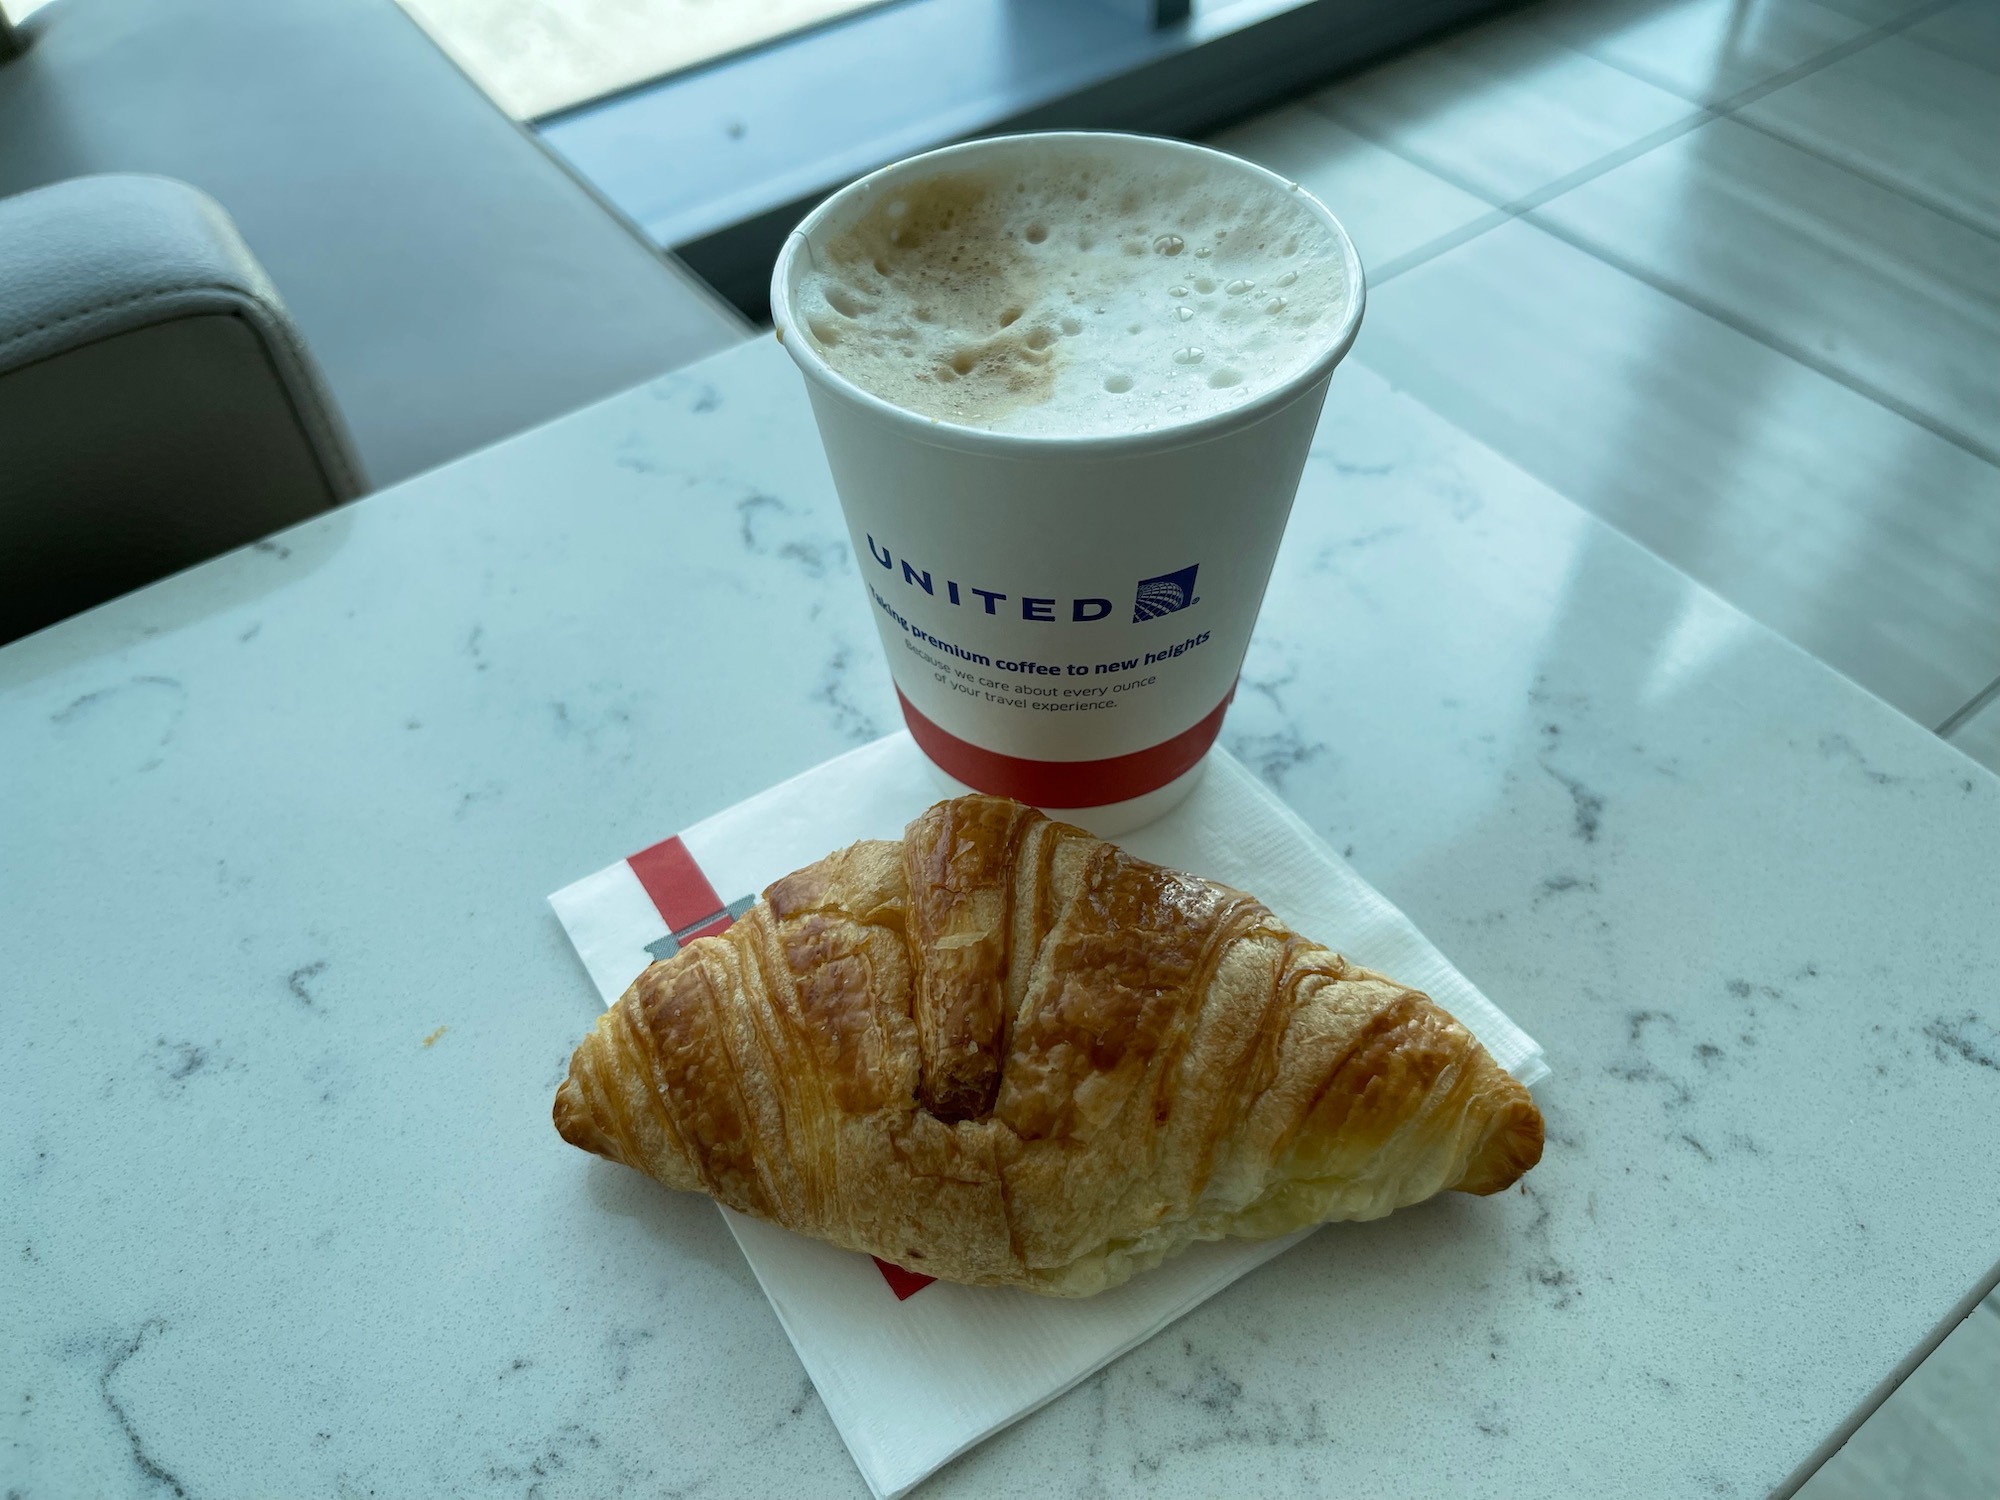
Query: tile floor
x=1727, y=273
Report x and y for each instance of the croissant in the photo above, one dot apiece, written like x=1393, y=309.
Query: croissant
x=1003, y=1051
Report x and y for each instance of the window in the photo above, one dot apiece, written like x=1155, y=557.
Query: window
x=534, y=57
x=718, y=162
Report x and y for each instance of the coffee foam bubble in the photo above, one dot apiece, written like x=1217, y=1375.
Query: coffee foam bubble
x=1074, y=291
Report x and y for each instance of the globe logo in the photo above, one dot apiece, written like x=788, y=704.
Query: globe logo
x=1165, y=595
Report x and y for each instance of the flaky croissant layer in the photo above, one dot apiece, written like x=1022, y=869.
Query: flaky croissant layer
x=1005, y=1052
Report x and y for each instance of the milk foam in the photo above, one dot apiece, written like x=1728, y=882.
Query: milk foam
x=1074, y=290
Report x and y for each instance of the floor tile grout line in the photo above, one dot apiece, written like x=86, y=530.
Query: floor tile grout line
x=1868, y=175
x=1942, y=51
x=1497, y=215
x=1750, y=93
x=1430, y=250
x=1623, y=156
x=1796, y=352
x=1979, y=701
x=1523, y=208
x=1699, y=114
x=1732, y=107
x=1504, y=213
x=1610, y=162
x=1501, y=213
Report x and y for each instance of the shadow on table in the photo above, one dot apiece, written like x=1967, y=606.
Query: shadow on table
x=681, y=1224
x=235, y=581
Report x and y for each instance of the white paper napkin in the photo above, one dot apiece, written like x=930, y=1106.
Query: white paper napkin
x=915, y=1372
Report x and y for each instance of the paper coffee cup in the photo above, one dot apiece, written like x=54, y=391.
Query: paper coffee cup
x=1064, y=617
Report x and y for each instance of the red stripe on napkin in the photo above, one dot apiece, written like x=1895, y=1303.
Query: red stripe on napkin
x=1065, y=783
x=678, y=888
x=905, y=1284
x=682, y=896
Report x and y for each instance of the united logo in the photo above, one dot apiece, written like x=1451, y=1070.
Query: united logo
x=1168, y=594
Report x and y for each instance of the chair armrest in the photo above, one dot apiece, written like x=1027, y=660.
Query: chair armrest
x=90, y=259
x=157, y=405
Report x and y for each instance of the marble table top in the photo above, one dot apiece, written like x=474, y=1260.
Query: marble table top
x=284, y=1213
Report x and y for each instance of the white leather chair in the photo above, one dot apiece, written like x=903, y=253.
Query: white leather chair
x=157, y=403
x=456, y=283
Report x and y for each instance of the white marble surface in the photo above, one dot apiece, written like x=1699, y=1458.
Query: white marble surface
x=268, y=826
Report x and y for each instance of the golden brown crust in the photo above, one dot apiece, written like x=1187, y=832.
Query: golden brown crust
x=1003, y=1051
x=959, y=870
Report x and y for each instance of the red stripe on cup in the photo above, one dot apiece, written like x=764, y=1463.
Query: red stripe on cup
x=1065, y=783
x=679, y=890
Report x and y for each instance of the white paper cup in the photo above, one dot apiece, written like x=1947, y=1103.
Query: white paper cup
x=1064, y=617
